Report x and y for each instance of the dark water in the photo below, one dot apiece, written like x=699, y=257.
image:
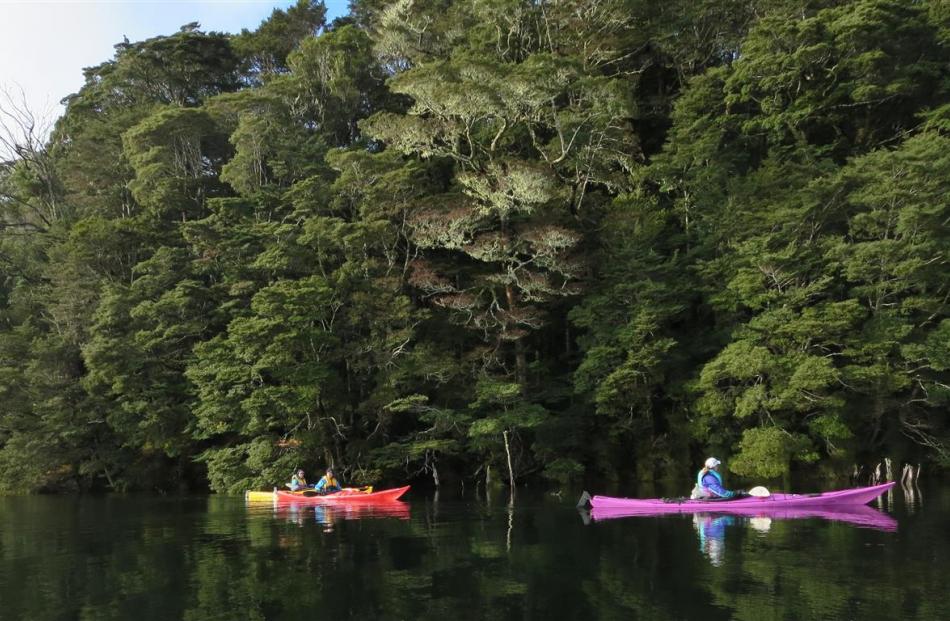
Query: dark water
x=145, y=558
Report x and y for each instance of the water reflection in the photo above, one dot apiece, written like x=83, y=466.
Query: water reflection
x=711, y=527
x=885, y=502
x=913, y=498
x=712, y=535
x=328, y=515
x=207, y=559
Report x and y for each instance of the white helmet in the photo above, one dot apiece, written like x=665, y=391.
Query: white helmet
x=712, y=462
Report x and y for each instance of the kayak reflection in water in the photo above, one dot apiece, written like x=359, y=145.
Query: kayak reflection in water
x=709, y=483
x=712, y=535
x=711, y=529
x=295, y=516
x=325, y=516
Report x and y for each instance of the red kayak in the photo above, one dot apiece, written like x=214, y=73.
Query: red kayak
x=841, y=498
x=344, y=496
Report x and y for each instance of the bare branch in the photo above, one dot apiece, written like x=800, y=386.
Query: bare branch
x=23, y=145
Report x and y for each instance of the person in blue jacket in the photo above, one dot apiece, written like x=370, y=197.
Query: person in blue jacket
x=709, y=483
x=327, y=483
x=298, y=481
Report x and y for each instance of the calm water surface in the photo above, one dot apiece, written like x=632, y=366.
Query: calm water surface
x=146, y=558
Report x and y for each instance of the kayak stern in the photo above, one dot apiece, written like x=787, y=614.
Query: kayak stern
x=255, y=496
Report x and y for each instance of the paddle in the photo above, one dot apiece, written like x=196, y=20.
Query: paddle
x=759, y=492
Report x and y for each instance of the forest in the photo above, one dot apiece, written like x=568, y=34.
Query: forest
x=488, y=242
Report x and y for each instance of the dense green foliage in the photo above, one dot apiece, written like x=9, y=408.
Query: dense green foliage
x=434, y=237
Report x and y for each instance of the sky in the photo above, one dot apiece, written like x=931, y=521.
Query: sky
x=45, y=44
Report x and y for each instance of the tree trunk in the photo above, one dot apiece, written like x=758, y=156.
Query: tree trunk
x=511, y=470
x=511, y=519
x=521, y=364
x=435, y=475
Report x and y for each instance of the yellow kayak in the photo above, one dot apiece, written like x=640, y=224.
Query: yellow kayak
x=255, y=496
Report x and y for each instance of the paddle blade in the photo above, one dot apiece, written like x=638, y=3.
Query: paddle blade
x=759, y=492
x=584, y=501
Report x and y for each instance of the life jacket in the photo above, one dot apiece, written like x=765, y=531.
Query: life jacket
x=326, y=483
x=699, y=480
x=703, y=473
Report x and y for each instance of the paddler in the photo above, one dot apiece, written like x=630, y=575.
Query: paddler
x=709, y=483
x=327, y=483
x=298, y=481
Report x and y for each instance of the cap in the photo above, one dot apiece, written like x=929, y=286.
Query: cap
x=712, y=462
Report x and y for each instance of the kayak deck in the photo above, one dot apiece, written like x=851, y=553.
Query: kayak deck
x=347, y=496
x=846, y=497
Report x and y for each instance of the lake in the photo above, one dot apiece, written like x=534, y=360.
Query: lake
x=197, y=558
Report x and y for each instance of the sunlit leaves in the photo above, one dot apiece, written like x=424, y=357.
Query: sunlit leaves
x=766, y=452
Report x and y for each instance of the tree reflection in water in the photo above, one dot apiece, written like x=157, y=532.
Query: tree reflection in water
x=199, y=559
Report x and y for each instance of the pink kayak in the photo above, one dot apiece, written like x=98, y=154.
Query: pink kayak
x=841, y=498
x=347, y=495
x=856, y=515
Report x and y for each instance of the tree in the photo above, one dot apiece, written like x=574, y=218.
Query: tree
x=266, y=49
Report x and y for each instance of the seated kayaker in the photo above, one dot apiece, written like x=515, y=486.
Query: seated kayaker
x=327, y=483
x=709, y=483
x=298, y=481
